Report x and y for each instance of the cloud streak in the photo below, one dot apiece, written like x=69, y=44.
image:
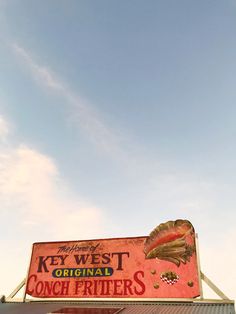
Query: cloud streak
x=89, y=120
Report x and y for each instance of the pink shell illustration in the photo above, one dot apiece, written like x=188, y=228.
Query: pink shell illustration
x=168, y=242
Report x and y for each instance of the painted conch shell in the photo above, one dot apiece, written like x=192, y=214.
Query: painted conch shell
x=168, y=242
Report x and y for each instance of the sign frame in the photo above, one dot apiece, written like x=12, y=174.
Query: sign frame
x=223, y=298
x=98, y=298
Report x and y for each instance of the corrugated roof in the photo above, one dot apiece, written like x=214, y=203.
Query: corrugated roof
x=128, y=307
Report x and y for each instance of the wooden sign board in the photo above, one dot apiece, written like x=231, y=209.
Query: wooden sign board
x=162, y=265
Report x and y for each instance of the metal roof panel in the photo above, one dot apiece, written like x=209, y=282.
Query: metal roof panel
x=128, y=307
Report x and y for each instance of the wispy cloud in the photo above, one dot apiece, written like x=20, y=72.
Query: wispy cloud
x=37, y=204
x=4, y=128
x=88, y=119
x=41, y=73
x=30, y=184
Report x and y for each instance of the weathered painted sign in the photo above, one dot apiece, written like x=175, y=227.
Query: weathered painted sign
x=162, y=265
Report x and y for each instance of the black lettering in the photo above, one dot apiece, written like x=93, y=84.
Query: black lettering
x=120, y=259
x=42, y=264
x=81, y=259
x=63, y=257
x=95, y=258
x=106, y=259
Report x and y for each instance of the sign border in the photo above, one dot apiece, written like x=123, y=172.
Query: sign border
x=98, y=299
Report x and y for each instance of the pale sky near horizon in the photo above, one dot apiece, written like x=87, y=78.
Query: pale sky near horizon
x=116, y=116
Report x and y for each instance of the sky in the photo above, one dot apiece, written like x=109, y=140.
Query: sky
x=116, y=116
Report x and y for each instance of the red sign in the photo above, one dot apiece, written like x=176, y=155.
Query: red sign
x=163, y=265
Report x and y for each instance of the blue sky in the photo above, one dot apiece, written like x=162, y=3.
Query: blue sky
x=117, y=116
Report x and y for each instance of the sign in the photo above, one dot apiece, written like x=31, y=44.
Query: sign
x=162, y=265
